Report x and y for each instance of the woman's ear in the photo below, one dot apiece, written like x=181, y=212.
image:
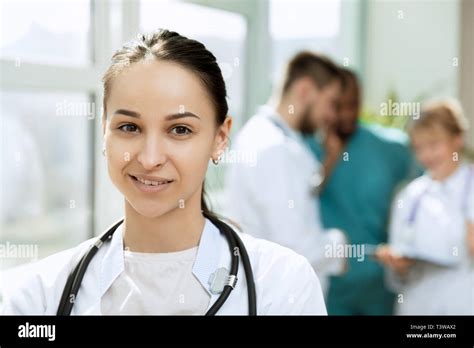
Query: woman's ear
x=222, y=137
x=459, y=142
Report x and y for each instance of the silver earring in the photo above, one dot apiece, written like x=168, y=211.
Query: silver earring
x=215, y=161
x=103, y=152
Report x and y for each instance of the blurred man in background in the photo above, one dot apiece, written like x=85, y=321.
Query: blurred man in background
x=273, y=198
x=363, y=166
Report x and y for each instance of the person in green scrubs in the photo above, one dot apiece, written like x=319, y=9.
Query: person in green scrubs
x=364, y=166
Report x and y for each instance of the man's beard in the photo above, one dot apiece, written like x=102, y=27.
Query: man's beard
x=306, y=127
x=343, y=132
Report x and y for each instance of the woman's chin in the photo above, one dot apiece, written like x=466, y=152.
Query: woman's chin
x=150, y=211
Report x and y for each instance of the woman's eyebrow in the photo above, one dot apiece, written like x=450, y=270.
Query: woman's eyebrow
x=167, y=118
x=127, y=113
x=181, y=115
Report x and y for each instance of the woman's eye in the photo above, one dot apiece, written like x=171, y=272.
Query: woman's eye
x=128, y=128
x=181, y=130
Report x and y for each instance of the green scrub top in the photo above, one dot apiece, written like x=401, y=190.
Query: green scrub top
x=357, y=199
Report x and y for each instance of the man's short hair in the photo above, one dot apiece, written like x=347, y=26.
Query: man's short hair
x=309, y=64
x=349, y=76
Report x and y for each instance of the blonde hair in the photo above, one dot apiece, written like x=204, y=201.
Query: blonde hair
x=446, y=113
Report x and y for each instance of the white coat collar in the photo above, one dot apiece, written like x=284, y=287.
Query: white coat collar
x=268, y=111
x=208, y=259
x=453, y=183
x=458, y=179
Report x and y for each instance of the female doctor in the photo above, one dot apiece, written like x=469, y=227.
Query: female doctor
x=431, y=249
x=165, y=117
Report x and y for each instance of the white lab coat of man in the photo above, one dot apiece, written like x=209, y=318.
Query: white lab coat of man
x=285, y=282
x=428, y=224
x=271, y=195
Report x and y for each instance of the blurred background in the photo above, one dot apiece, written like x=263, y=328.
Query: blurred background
x=55, y=190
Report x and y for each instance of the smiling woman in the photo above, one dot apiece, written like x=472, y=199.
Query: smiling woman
x=148, y=140
x=165, y=116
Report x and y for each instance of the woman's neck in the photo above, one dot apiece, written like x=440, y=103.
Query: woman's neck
x=179, y=229
x=446, y=171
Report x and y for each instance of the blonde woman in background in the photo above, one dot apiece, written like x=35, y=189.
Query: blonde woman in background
x=431, y=244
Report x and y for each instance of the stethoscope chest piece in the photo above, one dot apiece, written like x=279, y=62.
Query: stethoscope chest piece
x=218, y=279
x=222, y=281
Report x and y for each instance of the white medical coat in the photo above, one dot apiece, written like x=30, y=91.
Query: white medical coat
x=285, y=281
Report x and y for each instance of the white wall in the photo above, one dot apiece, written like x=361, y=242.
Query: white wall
x=411, y=46
x=466, y=78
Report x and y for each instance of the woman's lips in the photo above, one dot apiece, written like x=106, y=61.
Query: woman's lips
x=145, y=185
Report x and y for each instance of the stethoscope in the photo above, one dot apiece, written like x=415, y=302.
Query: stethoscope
x=235, y=245
x=466, y=190
x=408, y=236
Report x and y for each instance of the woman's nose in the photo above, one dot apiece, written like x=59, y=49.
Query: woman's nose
x=152, y=153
